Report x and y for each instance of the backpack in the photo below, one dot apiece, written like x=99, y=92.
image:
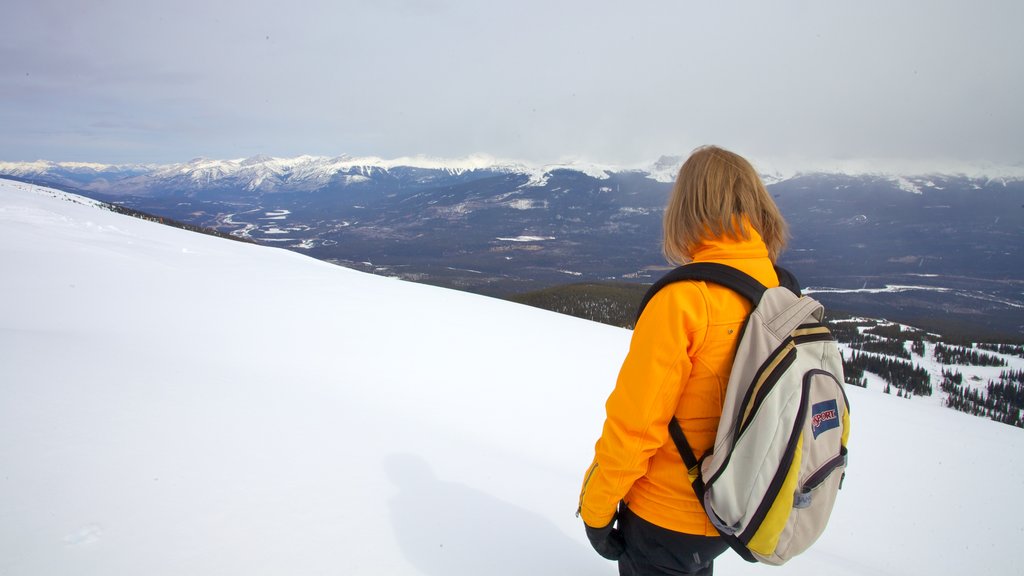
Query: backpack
x=770, y=481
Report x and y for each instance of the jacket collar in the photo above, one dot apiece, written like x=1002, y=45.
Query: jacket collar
x=727, y=248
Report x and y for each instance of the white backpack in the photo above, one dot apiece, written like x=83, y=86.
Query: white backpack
x=779, y=458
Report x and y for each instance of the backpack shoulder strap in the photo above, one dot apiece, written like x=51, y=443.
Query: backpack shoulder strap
x=787, y=280
x=697, y=481
x=727, y=276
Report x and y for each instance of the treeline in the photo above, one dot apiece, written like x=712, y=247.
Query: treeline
x=880, y=338
x=854, y=374
x=917, y=347
x=1002, y=401
x=848, y=331
x=965, y=356
x=906, y=377
x=881, y=349
x=1008, y=349
x=608, y=303
x=883, y=346
x=896, y=332
x=1012, y=376
x=175, y=223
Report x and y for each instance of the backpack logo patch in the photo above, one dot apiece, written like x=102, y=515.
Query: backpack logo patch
x=824, y=417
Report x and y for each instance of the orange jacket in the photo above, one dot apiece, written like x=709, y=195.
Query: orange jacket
x=677, y=366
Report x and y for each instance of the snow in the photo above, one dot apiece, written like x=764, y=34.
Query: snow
x=779, y=169
x=267, y=172
x=908, y=186
x=897, y=288
x=454, y=165
x=539, y=175
x=524, y=204
x=976, y=377
x=526, y=239
x=630, y=211
x=592, y=169
x=664, y=169
x=42, y=166
x=173, y=403
x=887, y=289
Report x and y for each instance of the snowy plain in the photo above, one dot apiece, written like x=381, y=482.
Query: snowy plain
x=173, y=403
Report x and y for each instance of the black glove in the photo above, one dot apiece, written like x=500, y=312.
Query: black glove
x=607, y=541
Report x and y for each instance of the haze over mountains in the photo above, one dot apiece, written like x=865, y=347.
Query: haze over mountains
x=925, y=250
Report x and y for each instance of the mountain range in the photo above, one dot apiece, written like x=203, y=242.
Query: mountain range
x=939, y=251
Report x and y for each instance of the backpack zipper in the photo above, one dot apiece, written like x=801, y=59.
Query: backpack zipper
x=825, y=471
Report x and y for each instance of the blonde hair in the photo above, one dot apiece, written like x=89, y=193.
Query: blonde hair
x=717, y=191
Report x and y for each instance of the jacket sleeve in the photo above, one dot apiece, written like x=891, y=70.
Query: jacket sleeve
x=645, y=397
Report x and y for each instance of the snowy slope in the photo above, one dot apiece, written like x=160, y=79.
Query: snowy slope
x=172, y=403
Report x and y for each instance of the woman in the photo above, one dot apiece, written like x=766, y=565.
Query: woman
x=637, y=503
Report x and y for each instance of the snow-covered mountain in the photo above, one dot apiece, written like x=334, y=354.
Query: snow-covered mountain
x=266, y=173
x=269, y=174
x=172, y=403
x=449, y=222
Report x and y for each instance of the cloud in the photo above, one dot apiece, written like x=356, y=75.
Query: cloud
x=612, y=81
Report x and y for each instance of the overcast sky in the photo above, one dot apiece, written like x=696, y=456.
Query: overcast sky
x=921, y=82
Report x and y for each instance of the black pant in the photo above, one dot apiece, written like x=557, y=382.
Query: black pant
x=653, y=551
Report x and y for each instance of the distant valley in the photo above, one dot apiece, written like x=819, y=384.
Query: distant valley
x=944, y=253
